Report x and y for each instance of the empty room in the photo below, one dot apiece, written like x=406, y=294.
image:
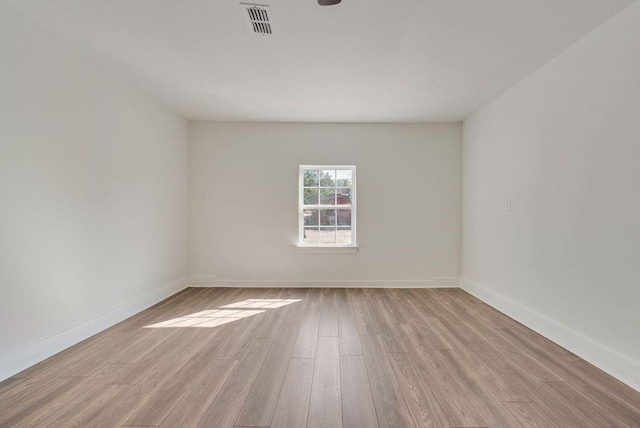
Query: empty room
x=320, y=213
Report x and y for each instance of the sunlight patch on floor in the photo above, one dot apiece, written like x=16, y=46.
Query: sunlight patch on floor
x=262, y=303
x=227, y=313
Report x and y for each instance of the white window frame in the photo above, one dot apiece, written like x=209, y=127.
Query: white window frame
x=336, y=248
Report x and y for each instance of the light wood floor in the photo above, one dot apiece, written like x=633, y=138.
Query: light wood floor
x=317, y=358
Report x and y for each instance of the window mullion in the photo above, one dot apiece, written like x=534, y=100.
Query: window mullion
x=327, y=207
x=335, y=201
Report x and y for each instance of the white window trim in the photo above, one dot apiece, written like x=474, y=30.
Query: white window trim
x=327, y=248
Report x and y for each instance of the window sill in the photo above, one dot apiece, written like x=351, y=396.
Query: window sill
x=309, y=249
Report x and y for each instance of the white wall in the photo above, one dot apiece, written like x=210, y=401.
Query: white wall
x=93, y=196
x=245, y=227
x=564, y=146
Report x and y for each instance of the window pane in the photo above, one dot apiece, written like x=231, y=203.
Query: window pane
x=327, y=217
x=310, y=217
x=310, y=236
x=343, y=235
x=344, y=217
x=310, y=177
x=327, y=236
x=327, y=196
x=343, y=178
x=310, y=196
x=327, y=178
x=343, y=196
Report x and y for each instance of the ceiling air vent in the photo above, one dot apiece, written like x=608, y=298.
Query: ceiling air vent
x=258, y=17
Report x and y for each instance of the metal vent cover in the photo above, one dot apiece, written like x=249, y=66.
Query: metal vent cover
x=258, y=17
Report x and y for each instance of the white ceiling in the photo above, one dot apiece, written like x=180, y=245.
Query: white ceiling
x=359, y=61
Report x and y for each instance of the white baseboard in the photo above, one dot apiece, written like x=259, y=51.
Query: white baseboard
x=617, y=365
x=446, y=282
x=207, y=281
x=23, y=358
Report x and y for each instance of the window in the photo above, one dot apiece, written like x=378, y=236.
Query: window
x=327, y=207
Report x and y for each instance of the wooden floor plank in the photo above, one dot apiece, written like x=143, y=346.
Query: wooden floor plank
x=519, y=358
x=325, y=408
x=134, y=397
x=224, y=409
x=528, y=414
x=358, y=409
x=166, y=397
x=63, y=404
x=480, y=395
x=194, y=403
x=88, y=408
x=391, y=408
x=65, y=359
x=85, y=360
x=457, y=322
x=272, y=319
x=295, y=310
x=523, y=376
x=505, y=382
x=307, y=339
x=142, y=343
x=451, y=397
x=38, y=396
x=261, y=402
x=347, y=327
x=385, y=325
x=582, y=403
x=293, y=405
x=179, y=345
x=613, y=385
x=418, y=395
x=420, y=301
x=240, y=335
x=541, y=343
x=555, y=361
x=9, y=383
x=364, y=319
x=329, y=316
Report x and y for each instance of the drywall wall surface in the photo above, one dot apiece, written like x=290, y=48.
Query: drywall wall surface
x=561, y=149
x=244, y=202
x=93, y=195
